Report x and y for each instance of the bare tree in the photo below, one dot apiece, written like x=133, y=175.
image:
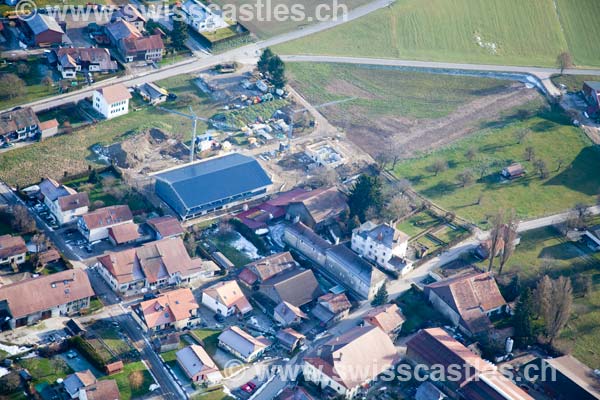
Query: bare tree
x=582, y=214
x=542, y=168
x=509, y=235
x=438, y=166
x=559, y=163
x=324, y=177
x=529, y=153
x=543, y=295
x=397, y=207
x=495, y=236
x=557, y=305
x=11, y=86
x=521, y=134
x=22, y=221
x=470, y=154
x=564, y=61
x=465, y=178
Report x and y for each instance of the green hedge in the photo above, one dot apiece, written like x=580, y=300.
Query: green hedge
x=88, y=351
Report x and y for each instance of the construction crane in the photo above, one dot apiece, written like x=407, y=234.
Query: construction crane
x=194, y=119
x=294, y=112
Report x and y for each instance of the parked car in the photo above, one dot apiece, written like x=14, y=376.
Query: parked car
x=249, y=387
x=219, y=318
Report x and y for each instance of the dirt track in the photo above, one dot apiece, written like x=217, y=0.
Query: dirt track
x=411, y=136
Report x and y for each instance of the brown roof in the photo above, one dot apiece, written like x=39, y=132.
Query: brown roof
x=107, y=216
x=115, y=93
x=17, y=119
x=297, y=393
x=125, y=233
x=103, y=390
x=296, y=286
x=577, y=372
x=515, y=169
x=367, y=346
x=335, y=303
x=39, y=294
x=49, y=256
x=11, y=246
x=166, y=226
x=492, y=385
x=114, y=367
x=325, y=203
x=144, y=43
x=86, y=377
x=284, y=308
x=388, y=317
x=435, y=346
x=153, y=261
x=229, y=294
x=176, y=305
x=471, y=296
x=53, y=123
x=272, y=265
x=73, y=201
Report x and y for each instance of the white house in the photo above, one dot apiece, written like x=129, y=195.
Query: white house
x=12, y=250
x=95, y=225
x=62, y=201
x=382, y=244
x=226, y=298
x=201, y=18
x=198, y=366
x=112, y=101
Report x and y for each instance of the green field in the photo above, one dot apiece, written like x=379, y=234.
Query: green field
x=523, y=32
x=574, y=83
x=554, y=141
x=126, y=388
x=384, y=91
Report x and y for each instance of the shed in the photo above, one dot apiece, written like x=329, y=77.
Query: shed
x=114, y=368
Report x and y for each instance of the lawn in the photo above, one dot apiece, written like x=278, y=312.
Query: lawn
x=385, y=91
x=418, y=223
x=212, y=395
x=495, y=147
x=509, y=32
x=209, y=338
x=72, y=153
x=417, y=311
x=128, y=389
x=110, y=336
x=223, y=243
x=34, y=89
x=44, y=370
x=574, y=83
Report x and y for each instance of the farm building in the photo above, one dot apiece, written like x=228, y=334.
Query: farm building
x=209, y=185
x=44, y=30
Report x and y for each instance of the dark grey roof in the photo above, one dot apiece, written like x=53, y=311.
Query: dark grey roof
x=308, y=235
x=215, y=179
x=593, y=84
x=382, y=233
x=354, y=264
x=42, y=23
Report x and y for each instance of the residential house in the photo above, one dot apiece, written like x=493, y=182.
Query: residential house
x=176, y=309
x=226, y=298
x=350, y=361
x=146, y=48
x=83, y=385
x=382, y=244
x=95, y=225
x=153, y=93
x=243, y=345
x=131, y=14
x=124, y=233
x=263, y=269
x=387, y=317
x=165, y=227
x=338, y=262
x=43, y=30
x=591, y=92
x=286, y=314
x=271, y=210
x=226, y=181
x=198, y=366
x=119, y=30
x=71, y=60
x=111, y=101
x=155, y=265
x=201, y=18
x=319, y=209
x=48, y=128
x=290, y=339
x=468, y=301
x=18, y=125
x=513, y=171
x=63, y=202
x=296, y=393
x=13, y=250
x=296, y=286
x=30, y=300
x=472, y=377
x=331, y=308
x=565, y=378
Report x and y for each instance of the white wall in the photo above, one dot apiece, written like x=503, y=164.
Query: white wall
x=109, y=110
x=215, y=306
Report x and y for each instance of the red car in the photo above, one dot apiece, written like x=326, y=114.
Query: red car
x=249, y=387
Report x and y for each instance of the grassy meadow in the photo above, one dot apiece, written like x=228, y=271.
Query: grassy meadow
x=509, y=32
x=571, y=160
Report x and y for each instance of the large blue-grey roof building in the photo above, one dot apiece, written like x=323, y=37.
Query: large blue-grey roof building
x=217, y=183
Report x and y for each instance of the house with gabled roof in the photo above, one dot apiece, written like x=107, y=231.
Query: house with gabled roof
x=286, y=314
x=63, y=202
x=318, y=208
x=44, y=30
x=468, y=301
x=296, y=286
x=387, y=317
x=95, y=225
x=350, y=361
x=472, y=377
x=242, y=344
x=176, y=309
x=111, y=101
x=382, y=244
x=331, y=308
x=165, y=227
x=19, y=124
x=226, y=298
x=265, y=268
x=12, y=249
x=290, y=339
x=198, y=366
x=152, y=266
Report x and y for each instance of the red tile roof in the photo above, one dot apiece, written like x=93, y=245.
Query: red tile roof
x=107, y=216
x=166, y=226
x=335, y=303
x=115, y=93
x=125, y=233
x=173, y=306
x=229, y=294
x=387, y=317
x=11, y=246
x=73, y=201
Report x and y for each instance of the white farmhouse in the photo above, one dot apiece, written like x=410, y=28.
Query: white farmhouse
x=112, y=101
x=383, y=244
